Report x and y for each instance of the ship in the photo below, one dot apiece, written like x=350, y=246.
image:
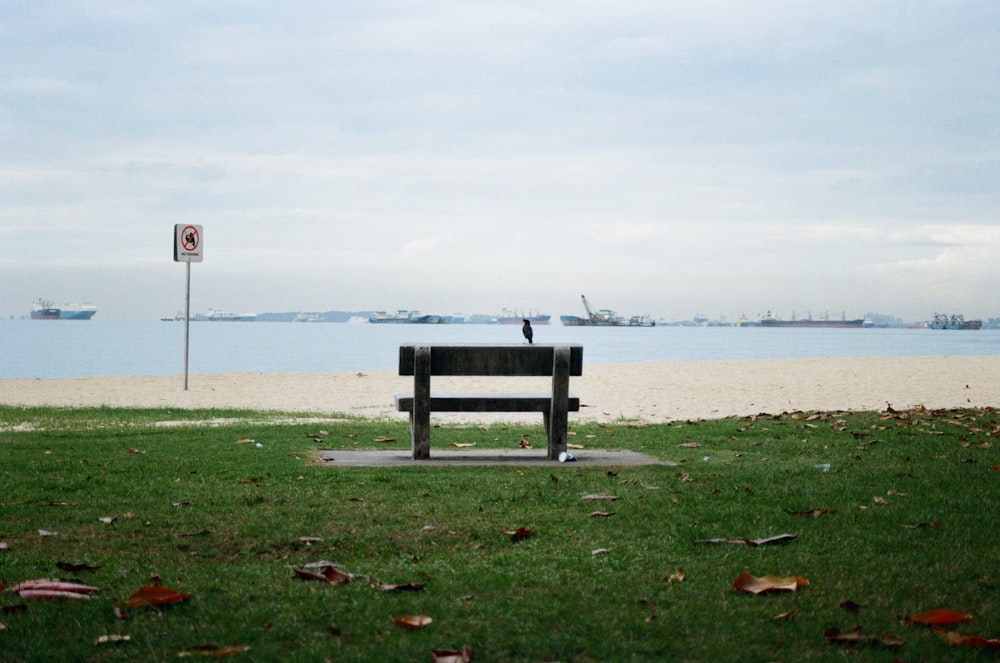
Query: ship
x=215, y=315
x=810, y=323
x=43, y=309
x=943, y=321
x=605, y=318
x=509, y=317
x=404, y=316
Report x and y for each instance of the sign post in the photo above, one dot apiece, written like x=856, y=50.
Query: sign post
x=187, y=249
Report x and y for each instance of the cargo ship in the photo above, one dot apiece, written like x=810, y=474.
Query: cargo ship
x=942, y=321
x=823, y=323
x=403, y=316
x=43, y=309
x=604, y=318
x=509, y=317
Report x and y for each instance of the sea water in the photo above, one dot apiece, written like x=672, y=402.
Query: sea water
x=68, y=349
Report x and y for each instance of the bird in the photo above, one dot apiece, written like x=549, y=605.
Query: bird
x=528, y=331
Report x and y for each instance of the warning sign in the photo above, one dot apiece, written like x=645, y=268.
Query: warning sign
x=187, y=243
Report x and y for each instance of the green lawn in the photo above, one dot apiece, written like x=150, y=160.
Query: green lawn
x=227, y=506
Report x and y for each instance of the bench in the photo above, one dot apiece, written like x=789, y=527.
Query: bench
x=422, y=361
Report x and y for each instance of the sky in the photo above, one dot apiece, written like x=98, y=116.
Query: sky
x=715, y=157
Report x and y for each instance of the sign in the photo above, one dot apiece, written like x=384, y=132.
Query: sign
x=187, y=243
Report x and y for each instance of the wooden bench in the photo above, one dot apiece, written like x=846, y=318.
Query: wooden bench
x=423, y=361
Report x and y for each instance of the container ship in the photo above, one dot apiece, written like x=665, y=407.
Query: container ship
x=43, y=309
x=824, y=322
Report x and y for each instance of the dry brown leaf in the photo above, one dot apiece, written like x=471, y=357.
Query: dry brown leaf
x=754, y=585
x=519, y=534
x=452, y=655
x=956, y=639
x=405, y=587
x=412, y=621
x=215, y=651
x=609, y=498
x=854, y=637
x=384, y=439
x=601, y=514
x=677, y=576
x=812, y=513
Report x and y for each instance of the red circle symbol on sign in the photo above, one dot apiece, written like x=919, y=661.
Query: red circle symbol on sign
x=190, y=238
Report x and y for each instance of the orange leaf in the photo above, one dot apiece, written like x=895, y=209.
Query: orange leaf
x=755, y=585
x=412, y=621
x=939, y=617
x=155, y=595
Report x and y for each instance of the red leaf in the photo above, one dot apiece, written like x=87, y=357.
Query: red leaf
x=755, y=585
x=155, y=595
x=412, y=621
x=939, y=617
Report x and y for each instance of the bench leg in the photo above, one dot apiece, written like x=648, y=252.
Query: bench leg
x=557, y=423
x=420, y=415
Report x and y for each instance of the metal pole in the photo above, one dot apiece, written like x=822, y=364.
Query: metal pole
x=187, y=322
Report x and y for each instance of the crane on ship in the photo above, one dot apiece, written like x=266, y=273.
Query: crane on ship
x=586, y=305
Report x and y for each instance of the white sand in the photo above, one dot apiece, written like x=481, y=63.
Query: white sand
x=656, y=392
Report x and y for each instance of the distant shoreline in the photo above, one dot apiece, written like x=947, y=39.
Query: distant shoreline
x=647, y=391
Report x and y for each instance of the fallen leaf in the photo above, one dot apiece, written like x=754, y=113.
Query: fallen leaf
x=754, y=585
x=384, y=439
x=601, y=514
x=52, y=589
x=327, y=573
x=855, y=637
x=108, y=520
x=77, y=567
x=939, y=617
x=45, y=532
x=690, y=445
x=245, y=440
x=136, y=452
x=956, y=639
x=753, y=543
x=405, y=587
x=600, y=551
x=412, y=621
x=609, y=498
x=155, y=595
x=580, y=446
x=525, y=443
x=677, y=576
x=879, y=500
x=936, y=523
x=462, y=445
x=215, y=651
x=113, y=639
x=783, y=616
x=812, y=513
x=452, y=655
x=519, y=534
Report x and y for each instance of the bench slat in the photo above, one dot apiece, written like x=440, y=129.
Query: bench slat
x=494, y=402
x=509, y=359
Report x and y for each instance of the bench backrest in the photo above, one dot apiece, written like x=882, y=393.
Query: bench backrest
x=512, y=359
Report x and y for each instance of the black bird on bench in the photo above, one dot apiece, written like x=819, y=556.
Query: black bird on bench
x=528, y=332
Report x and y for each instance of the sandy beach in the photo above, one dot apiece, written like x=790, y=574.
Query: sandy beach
x=654, y=392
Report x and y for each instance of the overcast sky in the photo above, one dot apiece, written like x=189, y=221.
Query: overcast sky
x=663, y=158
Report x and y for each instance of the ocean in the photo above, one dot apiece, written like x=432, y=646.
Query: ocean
x=70, y=349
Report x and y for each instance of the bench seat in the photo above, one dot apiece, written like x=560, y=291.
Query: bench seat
x=540, y=402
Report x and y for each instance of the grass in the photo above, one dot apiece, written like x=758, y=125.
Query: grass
x=199, y=509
